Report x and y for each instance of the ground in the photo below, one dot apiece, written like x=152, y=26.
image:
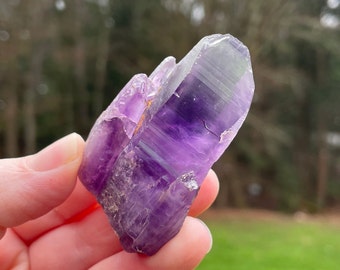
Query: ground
x=331, y=216
x=265, y=240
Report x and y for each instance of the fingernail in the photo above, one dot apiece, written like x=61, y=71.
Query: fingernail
x=57, y=154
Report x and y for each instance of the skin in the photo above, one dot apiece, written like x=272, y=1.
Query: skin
x=49, y=220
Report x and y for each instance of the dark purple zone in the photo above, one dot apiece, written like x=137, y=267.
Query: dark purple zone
x=197, y=109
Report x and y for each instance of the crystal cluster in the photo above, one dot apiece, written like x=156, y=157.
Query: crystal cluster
x=149, y=151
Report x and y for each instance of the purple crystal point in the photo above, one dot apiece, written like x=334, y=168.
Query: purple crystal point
x=149, y=151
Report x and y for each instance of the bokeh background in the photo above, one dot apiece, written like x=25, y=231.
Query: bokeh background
x=62, y=62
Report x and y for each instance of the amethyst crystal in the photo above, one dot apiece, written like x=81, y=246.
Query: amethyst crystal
x=149, y=151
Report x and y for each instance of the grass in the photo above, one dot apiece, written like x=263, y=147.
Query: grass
x=250, y=244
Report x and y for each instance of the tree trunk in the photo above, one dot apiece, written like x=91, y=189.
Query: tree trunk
x=237, y=192
x=33, y=80
x=323, y=151
x=322, y=177
x=82, y=113
x=11, y=121
x=303, y=152
x=39, y=46
x=101, y=69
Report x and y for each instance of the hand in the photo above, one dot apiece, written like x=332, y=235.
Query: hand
x=53, y=222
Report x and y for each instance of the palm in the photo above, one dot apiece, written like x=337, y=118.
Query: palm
x=77, y=235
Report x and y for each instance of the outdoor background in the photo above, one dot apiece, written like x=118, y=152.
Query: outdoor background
x=62, y=62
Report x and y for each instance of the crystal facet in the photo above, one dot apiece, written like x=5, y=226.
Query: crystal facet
x=149, y=151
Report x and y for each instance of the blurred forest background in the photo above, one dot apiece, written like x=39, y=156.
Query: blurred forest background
x=62, y=62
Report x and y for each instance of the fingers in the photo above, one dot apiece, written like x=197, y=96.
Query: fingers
x=185, y=251
x=79, y=244
x=92, y=240
x=33, y=185
x=13, y=253
x=2, y=231
x=206, y=195
x=80, y=202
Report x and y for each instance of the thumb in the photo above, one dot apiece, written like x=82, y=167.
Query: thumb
x=31, y=186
